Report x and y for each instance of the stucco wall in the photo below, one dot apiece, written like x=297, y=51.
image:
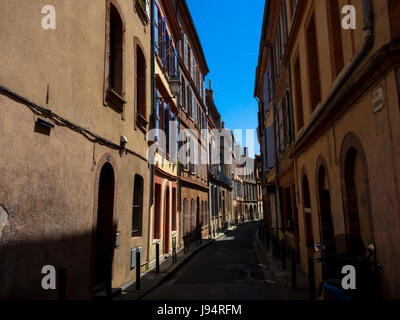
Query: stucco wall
x=48, y=182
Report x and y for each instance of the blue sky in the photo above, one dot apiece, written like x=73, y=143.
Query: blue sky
x=229, y=32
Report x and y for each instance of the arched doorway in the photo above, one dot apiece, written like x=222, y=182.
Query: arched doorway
x=307, y=213
x=166, y=221
x=105, y=233
x=325, y=213
x=356, y=204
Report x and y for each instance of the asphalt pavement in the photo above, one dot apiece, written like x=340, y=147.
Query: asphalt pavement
x=228, y=269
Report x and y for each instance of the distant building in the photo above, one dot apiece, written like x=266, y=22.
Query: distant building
x=219, y=173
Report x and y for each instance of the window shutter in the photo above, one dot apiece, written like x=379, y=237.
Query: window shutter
x=189, y=100
x=191, y=63
x=157, y=116
x=108, y=44
x=164, y=43
x=183, y=93
x=185, y=51
x=204, y=91
x=167, y=120
x=193, y=108
x=171, y=59
x=176, y=64
x=156, y=31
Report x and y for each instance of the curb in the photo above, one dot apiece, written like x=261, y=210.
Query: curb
x=174, y=268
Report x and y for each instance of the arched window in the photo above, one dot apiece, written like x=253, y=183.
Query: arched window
x=114, y=56
x=137, y=208
x=140, y=88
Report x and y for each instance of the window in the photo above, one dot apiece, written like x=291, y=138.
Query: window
x=140, y=88
x=189, y=100
x=145, y=5
x=193, y=214
x=281, y=128
x=163, y=38
x=313, y=65
x=186, y=51
x=183, y=93
x=174, y=224
x=167, y=114
x=157, y=212
x=185, y=216
x=336, y=38
x=156, y=29
x=137, y=208
x=172, y=59
x=299, y=94
x=293, y=5
x=114, y=58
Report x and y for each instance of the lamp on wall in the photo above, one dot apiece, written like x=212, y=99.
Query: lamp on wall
x=175, y=85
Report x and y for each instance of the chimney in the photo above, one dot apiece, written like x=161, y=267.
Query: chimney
x=246, y=151
x=210, y=89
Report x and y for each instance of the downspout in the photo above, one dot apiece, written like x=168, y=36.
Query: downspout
x=369, y=23
x=152, y=122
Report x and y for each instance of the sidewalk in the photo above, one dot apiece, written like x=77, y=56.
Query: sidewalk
x=275, y=275
x=151, y=280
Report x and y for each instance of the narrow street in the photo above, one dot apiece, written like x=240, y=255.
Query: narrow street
x=226, y=270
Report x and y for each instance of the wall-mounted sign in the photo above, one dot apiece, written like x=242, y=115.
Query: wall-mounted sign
x=378, y=99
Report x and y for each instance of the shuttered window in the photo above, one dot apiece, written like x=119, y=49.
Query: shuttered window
x=158, y=103
x=140, y=83
x=156, y=29
x=185, y=216
x=114, y=52
x=164, y=42
x=186, y=51
x=193, y=214
x=183, y=94
x=137, y=209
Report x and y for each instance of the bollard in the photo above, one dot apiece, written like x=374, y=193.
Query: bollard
x=311, y=279
x=293, y=261
x=62, y=284
x=157, y=258
x=138, y=265
x=174, y=256
x=283, y=255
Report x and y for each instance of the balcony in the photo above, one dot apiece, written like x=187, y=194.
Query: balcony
x=220, y=176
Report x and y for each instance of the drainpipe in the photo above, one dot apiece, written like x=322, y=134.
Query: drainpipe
x=152, y=120
x=369, y=23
